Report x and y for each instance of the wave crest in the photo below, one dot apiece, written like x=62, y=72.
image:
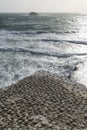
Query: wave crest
x=34, y=52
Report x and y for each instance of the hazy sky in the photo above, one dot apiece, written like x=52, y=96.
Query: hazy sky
x=78, y=6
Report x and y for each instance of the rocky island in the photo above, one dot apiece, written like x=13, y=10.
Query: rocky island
x=43, y=101
x=33, y=13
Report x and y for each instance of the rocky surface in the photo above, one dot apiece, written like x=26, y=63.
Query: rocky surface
x=43, y=101
x=33, y=13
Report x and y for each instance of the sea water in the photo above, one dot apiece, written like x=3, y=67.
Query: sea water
x=52, y=42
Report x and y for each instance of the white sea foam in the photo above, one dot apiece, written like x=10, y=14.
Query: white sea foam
x=46, y=42
x=80, y=75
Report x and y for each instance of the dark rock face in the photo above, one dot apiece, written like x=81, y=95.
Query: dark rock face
x=42, y=102
x=33, y=13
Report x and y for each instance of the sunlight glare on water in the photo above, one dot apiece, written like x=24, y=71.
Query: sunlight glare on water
x=52, y=42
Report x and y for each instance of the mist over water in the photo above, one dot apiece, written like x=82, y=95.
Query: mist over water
x=52, y=42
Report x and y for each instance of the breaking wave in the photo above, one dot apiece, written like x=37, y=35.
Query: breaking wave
x=34, y=52
x=69, y=41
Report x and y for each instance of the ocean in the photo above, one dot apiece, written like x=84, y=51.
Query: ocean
x=49, y=41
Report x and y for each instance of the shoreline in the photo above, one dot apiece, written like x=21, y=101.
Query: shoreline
x=44, y=101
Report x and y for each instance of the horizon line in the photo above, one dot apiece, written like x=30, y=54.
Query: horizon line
x=44, y=12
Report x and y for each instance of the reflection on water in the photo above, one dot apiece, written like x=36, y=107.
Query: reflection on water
x=52, y=42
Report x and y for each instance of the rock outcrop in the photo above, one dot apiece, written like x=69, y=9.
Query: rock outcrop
x=43, y=101
x=33, y=13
